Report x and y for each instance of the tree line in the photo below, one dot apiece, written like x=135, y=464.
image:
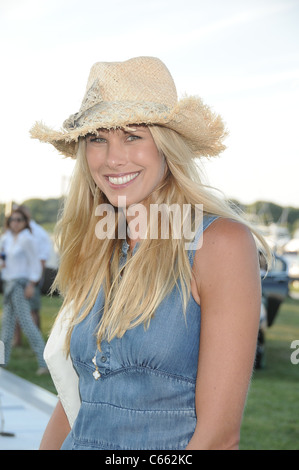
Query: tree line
x=46, y=212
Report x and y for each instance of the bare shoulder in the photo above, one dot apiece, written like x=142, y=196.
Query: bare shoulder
x=229, y=234
x=228, y=246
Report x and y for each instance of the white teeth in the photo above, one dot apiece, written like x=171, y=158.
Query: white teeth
x=122, y=179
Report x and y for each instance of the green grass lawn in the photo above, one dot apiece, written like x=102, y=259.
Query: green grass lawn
x=271, y=418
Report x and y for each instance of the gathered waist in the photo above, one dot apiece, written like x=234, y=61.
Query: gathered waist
x=130, y=387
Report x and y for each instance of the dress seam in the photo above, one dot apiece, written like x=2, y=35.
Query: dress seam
x=180, y=411
x=108, y=372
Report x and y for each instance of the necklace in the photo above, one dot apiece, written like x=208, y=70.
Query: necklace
x=96, y=373
x=122, y=258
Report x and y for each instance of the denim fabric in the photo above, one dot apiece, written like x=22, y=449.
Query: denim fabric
x=145, y=396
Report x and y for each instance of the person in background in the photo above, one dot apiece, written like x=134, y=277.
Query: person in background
x=43, y=244
x=20, y=273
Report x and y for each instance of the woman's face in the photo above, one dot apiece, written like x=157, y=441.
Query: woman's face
x=17, y=222
x=125, y=163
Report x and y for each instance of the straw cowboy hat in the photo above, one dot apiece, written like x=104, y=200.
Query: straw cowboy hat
x=137, y=91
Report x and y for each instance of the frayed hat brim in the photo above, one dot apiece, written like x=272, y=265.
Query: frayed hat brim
x=202, y=130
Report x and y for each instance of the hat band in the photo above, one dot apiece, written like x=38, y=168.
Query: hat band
x=109, y=114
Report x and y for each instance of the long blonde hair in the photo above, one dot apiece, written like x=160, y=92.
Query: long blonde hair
x=86, y=262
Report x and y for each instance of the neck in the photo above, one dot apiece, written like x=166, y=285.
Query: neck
x=137, y=222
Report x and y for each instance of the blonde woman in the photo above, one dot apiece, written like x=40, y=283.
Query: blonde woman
x=160, y=278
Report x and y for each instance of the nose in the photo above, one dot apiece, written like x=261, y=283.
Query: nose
x=116, y=153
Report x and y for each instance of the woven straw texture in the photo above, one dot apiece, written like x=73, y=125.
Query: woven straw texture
x=137, y=91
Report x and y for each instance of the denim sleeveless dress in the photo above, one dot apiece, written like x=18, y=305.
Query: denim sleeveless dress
x=143, y=394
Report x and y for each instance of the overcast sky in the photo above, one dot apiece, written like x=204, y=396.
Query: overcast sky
x=240, y=56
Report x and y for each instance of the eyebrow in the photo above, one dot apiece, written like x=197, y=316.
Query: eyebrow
x=126, y=130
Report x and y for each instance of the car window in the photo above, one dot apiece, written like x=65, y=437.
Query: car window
x=278, y=264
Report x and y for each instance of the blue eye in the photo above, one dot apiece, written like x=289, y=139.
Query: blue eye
x=98, y=140
x=132, y=137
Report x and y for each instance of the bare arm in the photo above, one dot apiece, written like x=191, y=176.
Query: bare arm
x=56, y=430
x=228, y=282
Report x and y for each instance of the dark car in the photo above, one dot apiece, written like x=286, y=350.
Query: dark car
x=275, y=288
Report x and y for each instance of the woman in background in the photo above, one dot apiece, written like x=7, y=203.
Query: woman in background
x=21, y=270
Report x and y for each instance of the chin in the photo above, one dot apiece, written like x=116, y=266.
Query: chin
x=123, y=201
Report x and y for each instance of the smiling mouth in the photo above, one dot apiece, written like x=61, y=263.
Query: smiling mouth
x=119, y=180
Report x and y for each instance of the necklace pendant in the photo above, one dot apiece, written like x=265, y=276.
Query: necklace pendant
x=96, y=374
